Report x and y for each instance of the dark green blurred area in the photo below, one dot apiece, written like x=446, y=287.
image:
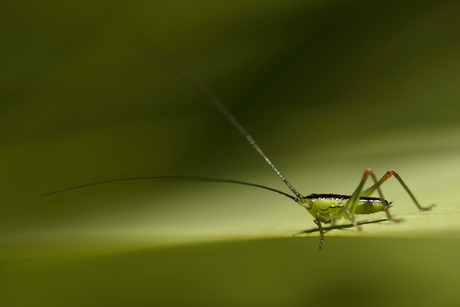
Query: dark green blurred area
x=277, y=272
x=327, y=88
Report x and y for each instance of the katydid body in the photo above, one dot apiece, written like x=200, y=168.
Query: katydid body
x=327, y=208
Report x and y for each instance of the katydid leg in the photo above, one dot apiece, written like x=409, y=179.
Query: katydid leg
x=352, y=218
x=409, y=192
x=359, y=192
x=321, y=232
x=368, y=192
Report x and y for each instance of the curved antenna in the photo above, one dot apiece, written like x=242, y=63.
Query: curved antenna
x=193, y=178
x=223, y=109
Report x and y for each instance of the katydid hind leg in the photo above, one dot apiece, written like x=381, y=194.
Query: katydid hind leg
x=354, y=198
x=359, y=192
x=376, y=186
x=369, y=191
x=409, y=192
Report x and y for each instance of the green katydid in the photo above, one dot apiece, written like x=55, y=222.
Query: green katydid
x=325, y=208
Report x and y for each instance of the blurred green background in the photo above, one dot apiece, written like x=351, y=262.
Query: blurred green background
x=327, y=88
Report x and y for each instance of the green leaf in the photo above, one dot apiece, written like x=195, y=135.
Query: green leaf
x=326, y=88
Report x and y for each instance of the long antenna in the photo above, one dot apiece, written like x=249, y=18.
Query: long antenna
x=179, y=71
x=191, y=178
x=223, y=109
